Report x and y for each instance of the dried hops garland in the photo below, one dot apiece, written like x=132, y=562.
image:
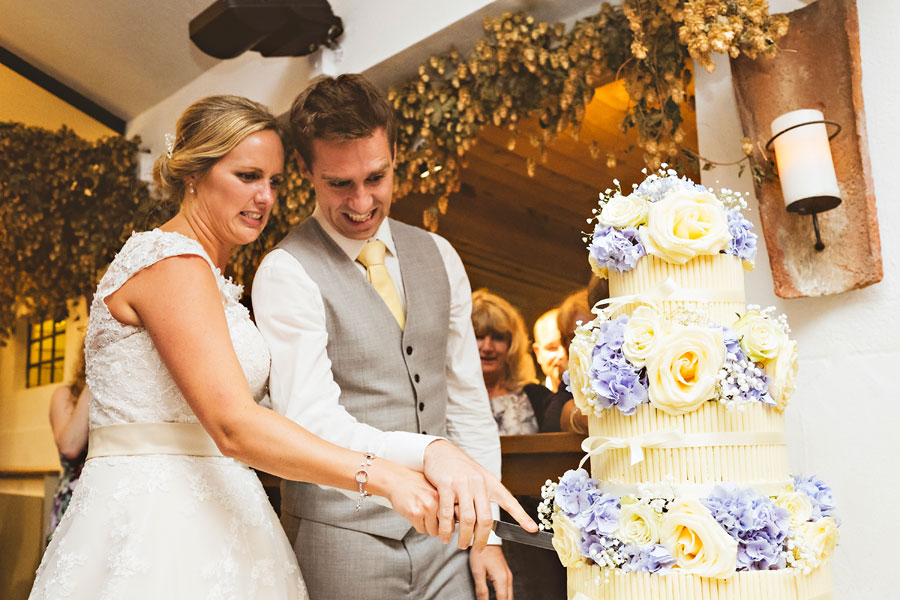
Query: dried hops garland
x=66, y=206
x=525, y=68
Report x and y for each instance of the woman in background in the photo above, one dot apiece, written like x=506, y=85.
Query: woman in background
x=517, y=400
x=69, y=407
x=519, y=404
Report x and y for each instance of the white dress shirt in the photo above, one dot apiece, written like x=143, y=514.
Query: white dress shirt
x=290, y=313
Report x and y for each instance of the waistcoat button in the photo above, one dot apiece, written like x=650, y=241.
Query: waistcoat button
x=421, y=406
x=409, y=350
x=416, y=377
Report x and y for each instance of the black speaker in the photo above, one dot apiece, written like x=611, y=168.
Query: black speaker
x=228, y=28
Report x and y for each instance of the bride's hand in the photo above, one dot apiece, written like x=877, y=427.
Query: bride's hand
x=409, y=493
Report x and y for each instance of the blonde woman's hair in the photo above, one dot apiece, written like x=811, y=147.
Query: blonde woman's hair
x=209, y=129
x=493, y=315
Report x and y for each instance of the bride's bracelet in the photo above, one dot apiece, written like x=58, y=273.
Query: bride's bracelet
x=362, y=477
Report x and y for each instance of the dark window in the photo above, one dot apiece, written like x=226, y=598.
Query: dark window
x=46, y=352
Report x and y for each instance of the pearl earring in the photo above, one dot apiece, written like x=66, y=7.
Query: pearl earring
x=191, y=189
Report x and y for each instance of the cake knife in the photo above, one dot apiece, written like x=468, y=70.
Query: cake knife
x=514, y=533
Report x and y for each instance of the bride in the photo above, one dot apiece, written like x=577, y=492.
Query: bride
x=167, y=506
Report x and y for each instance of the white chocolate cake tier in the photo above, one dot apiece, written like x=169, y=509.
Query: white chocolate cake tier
x=784, y=584
x=713, y=284
x=711, y=445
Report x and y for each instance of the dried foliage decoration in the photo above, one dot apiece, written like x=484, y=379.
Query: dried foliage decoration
x=66, y=206
x=524, y=68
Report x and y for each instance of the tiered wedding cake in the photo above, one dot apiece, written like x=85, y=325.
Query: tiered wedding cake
x=689, y=495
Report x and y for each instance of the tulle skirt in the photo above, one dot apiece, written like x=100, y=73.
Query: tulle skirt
x=173, y=527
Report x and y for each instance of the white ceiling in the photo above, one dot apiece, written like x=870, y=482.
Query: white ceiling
x=125, y=55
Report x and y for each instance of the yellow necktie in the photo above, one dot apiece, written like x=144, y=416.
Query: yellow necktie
x=372, y=258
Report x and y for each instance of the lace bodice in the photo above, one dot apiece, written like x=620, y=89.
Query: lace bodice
x=127, y=378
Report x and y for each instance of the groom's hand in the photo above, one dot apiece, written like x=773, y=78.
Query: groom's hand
x=489, y=564
x=465, y=491
x=409, y=492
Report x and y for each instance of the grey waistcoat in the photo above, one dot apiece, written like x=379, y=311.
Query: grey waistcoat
x=390, y=378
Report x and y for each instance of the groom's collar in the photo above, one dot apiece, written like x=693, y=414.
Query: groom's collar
x=352, y=247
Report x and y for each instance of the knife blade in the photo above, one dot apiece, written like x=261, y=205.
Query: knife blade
x=514, y=533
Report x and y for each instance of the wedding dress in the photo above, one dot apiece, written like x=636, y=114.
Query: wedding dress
x=155, y=525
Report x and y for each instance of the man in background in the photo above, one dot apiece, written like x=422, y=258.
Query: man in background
x=548, y=350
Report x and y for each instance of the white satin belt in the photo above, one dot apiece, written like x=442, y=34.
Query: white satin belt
x=135, y=439
x=597, y=445
x=668, y=291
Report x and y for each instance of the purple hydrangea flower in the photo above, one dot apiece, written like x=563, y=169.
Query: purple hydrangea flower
x=573, y=494
x=819, y=494
x=589, y=509
x=593, y=546
x=656, y=188
x=602, y=517
x=732, y=340
x=758, y=524
x=649, y=559
x=743, y=241
x=615, y=380
x=617, y=249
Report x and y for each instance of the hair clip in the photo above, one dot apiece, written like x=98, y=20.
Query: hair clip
x=170, y=144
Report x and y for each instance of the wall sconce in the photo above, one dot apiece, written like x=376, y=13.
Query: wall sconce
x=805, y=165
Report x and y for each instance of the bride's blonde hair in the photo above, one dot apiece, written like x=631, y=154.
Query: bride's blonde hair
x=209, y=129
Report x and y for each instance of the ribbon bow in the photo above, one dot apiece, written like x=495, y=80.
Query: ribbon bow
x=598, y=445
x=652, y=297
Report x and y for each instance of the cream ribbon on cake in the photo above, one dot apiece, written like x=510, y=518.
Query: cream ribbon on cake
x=653, y=297
x=597, y=445
x=667, y=291
x=672, y=489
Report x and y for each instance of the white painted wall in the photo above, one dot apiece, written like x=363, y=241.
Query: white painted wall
x=843, y=422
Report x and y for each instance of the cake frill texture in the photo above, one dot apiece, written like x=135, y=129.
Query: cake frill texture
x=689, y=495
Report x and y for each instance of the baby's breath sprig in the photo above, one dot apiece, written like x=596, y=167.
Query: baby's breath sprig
x=547, y=506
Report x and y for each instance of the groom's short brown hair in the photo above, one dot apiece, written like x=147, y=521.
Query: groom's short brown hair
x=346, y=107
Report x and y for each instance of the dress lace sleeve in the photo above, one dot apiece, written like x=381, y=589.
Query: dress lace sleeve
x=143, y=250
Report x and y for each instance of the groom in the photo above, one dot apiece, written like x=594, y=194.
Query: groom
x=369, y=325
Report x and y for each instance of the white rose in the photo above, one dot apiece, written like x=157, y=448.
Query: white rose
x=643, y=329
x=682, y=368
x=685, y=224
x=818, y=539
x=580, y=351
x=624, y=211
x=798, y=504
x=697, y=542
x=761, y=337
x=782, y=373
x=639, y=524
x=565, y=542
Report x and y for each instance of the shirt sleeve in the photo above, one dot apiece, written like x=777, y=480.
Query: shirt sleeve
x=470, y=422
x=290, y=314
